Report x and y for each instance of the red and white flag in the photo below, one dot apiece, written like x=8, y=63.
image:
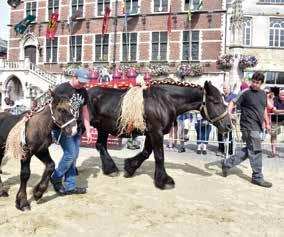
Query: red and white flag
x=105, y=21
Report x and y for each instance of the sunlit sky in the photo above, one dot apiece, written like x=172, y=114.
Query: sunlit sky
x=4, y=14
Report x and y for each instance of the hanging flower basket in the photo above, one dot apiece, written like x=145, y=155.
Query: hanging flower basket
x=158, y=69
x=225, y=62
x=247, y=61
x=189, y=70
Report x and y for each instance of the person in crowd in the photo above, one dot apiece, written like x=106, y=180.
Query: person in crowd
x=277, y=121
x=183, y=124
x=64, y=177
x=228, y=96
x=173, y=136
x=244, y=85
x=252, y=102
x=203, y=129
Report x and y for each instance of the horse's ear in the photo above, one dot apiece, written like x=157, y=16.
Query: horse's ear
x=207, y=85
x=54, y=96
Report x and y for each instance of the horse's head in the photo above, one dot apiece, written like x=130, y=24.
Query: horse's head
x=63, y=114
x=213, y=108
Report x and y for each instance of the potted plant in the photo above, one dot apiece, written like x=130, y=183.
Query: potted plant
x=247, y=61
x=225, y=62
x=158, y=69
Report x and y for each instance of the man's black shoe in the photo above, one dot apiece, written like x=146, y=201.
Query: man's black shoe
x=198, y=152
x=57, y=186
x=180, y=150
x=204, y=152
x=262, y=183
x=224, y=169
x=76, y=191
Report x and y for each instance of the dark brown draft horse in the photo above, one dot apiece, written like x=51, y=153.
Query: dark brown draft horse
x=163, y=102
x=58, y=113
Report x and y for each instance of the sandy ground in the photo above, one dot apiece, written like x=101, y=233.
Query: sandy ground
x=202, y=204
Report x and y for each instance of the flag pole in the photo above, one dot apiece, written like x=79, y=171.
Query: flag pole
x=115, y=32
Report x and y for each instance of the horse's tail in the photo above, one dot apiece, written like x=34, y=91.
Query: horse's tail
x=15, y=142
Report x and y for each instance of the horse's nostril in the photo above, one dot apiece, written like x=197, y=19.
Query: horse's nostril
x=229, y=126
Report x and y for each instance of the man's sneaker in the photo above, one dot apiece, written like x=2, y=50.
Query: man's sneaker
x=224, y=169
x=57, y=186
x=262, y=183
x=76, y=191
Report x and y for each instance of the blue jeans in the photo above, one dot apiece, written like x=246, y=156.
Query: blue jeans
x=67, y=166
x=202, y=132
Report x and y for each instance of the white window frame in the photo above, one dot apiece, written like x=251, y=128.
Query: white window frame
x=104, y=6
x=247, y=25
x=70, y=7
x=129, y=47
x=276, y=25
x=190, y=45
x=30, y=9
x=101, y=49
x=153, y=7
x=69, y=45
x=59, y=8
x=191, y=5
x=159, y=46
x=51, y=54
x=131, y=8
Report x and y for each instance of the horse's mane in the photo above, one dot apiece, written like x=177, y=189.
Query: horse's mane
x=170, y=81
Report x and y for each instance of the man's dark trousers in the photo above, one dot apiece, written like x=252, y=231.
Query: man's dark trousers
x=252, y=151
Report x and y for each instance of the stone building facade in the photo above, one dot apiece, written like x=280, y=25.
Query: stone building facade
x=261, y=35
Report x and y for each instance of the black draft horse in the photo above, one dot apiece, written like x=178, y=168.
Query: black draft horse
x=163, y=102
x=58, y=113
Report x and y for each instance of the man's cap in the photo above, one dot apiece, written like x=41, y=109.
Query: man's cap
x=82, y=74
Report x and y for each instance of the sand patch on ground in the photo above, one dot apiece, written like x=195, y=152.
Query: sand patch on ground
x=202, y=204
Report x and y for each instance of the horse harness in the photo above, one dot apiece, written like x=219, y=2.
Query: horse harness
x=204, y=107
x=74, y=113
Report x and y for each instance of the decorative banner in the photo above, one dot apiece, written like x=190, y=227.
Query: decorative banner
x=22, y=25
x=52, y=26
x=105, y=21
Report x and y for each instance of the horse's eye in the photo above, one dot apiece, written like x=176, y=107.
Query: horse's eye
x=60, y=110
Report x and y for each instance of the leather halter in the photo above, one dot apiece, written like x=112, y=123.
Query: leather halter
x=207, y=117
x=63, y=125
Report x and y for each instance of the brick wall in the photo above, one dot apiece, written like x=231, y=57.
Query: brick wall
x=207, y=21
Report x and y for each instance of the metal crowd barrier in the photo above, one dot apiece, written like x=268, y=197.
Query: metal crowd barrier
x=236, y=136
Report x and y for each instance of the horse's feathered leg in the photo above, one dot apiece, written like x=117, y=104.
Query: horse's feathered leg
x=3, y=192
x=108, y=165
x=41, y=187
x=161, y=178
x=21, y=198
x=132, y=164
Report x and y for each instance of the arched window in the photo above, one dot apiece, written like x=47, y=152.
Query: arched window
x=247, y=32
x=276, y=34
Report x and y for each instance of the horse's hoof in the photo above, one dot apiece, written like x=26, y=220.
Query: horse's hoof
x=1, y=172
x=113, y=174
x=127, y=174
x=169, y=186
x=37, y=195
x=4, y=193
x=24, y=208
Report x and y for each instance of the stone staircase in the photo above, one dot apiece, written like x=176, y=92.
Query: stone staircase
x=34, y=80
